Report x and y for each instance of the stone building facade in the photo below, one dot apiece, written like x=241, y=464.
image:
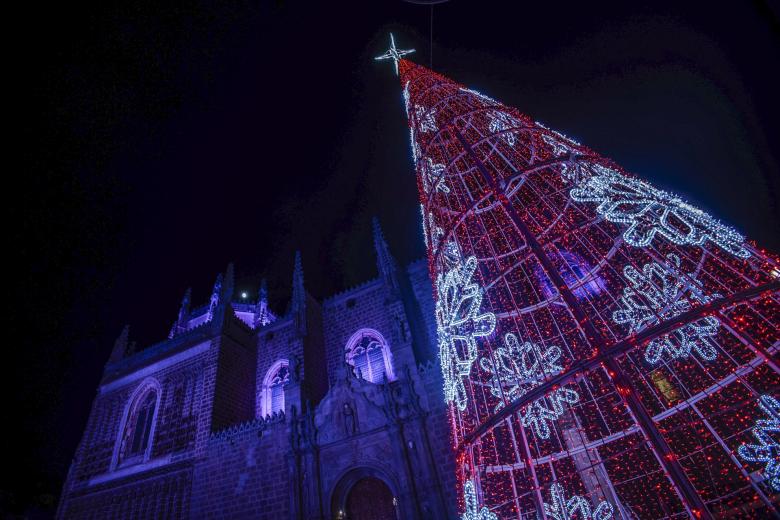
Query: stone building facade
x=332, y=410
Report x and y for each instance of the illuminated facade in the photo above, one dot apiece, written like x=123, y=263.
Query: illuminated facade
x=608, y=350
x=333, y=409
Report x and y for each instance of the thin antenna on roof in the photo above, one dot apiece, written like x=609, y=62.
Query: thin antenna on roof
x=430, y=3
x=431, y=45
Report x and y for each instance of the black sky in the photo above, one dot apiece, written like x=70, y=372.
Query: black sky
x=158, y=143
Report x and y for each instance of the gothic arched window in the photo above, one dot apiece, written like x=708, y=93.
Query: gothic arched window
x=135, y=441
x=368, y=353
x=272, y=392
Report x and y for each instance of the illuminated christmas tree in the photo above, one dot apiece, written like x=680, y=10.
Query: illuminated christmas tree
x=608, y=350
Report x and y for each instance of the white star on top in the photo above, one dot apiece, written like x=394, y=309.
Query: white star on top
x=394, y=54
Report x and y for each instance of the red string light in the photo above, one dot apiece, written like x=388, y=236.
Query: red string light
x=553, y=228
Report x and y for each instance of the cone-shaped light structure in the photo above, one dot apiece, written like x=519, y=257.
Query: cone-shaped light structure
x=604, y=345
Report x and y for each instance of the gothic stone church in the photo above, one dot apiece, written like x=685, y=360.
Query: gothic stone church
x=333, y=410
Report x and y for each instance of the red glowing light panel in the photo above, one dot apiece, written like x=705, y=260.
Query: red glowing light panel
x=607, y=349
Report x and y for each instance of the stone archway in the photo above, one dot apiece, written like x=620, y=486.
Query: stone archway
x=370, y=499
x=365, y=494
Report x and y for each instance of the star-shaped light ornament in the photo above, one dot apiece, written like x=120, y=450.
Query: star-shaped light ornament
x=394, y=54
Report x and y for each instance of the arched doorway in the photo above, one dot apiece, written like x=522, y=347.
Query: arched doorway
x=366, y=493
x=370, y=499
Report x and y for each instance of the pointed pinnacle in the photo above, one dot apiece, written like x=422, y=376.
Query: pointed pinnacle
x=298, y=301
x=262, y=293
x=217, y=283
x=120, y=345
x=378, y=235
x=298, y=269
x=185, y=301
x=384, y=260
x=123, y=336
x=229, y=282
x=298, y=289
x=184, y=308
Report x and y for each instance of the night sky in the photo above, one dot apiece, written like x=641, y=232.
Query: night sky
x=160, y=143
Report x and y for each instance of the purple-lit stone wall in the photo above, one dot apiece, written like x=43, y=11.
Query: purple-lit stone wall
x=159, y=485
x=163, y=493
x=213, y=456
x=234, y=396
x=423, y=294
x=244, y=474
x=348, y=313
x=315, y=380
x=438, y=430
x=275, y=342
x=185, y=393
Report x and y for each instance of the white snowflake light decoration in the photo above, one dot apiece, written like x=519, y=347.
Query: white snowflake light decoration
x=561, y=135
x=472, y=511
x=767, y=450
x=435, y=231
x=416, y=152
x=424, y=226
x=650, y=212
x=558, y=147
x=516, y=368
x=660, y=291
x=426, y=119
x=486, y=99
x=459, y=323
x=433, y=177
x=502, y=122
x=539, y=413
x=575, y=507
x=576, y=172
x=573, y=172
x=407, y=102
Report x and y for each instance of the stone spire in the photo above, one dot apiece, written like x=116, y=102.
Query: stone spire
x=262, y=293
x=298, y=302
x=385, y=262
x=229, y=285
x=184, y=310
x=216, y=292
x=221, y=294
x=120, y=346
x=261, y=307
x=180, y=325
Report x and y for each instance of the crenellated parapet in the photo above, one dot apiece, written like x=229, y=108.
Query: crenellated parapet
x=257, y=425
